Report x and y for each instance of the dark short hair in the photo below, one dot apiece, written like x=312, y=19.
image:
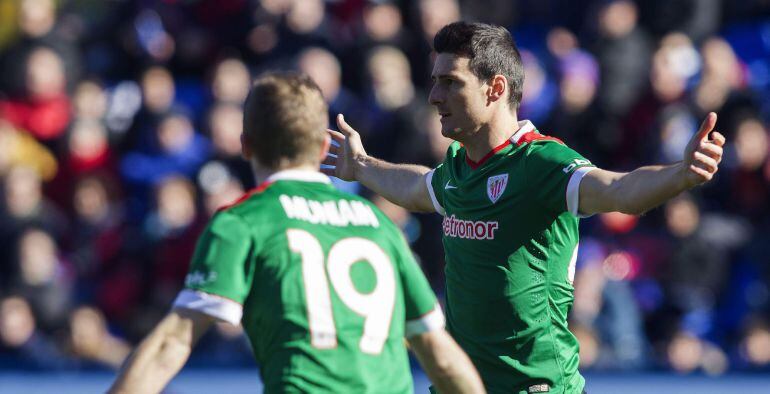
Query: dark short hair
x=284, y=119
x=491, y=50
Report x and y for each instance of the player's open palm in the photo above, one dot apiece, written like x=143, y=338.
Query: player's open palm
x=703, y=153
x=343, y=157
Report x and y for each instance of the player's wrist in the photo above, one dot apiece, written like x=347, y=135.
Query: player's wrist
x=684, y=176
x=360, y=162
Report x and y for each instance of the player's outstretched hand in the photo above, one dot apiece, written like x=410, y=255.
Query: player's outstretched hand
x=349, y=151
x=703, y=153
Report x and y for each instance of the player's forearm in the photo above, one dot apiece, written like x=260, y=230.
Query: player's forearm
x=402, y=184
x=157, y=359
x=647, y=187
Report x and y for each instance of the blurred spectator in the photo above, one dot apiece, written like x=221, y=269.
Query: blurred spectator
x=324, y=68
x=755, y=346
x=98, y=236
x=151, y=37
x=696, y=269
x=89, y=101
x=231, y=82
x=37, y=23
x=687, y=353
x=383, y=25
x=158, y=92
x=540, y=93
x=225, y=124
x=748, y=188
x=622, y=49
x=43, y=278
x=573, y=118
x=433, y=15
x=23, y=206
x=393, y=107
x=22, y=345
x=90, y=340
x=722, y=80
x=172, y=230
x=219, y=187
x=662, y=107
x=177, y=149
x=43, y=107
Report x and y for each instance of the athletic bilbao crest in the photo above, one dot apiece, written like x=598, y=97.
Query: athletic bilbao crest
x=496, y=186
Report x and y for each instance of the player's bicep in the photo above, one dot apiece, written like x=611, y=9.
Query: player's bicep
x=430, y=194
x=597, y=192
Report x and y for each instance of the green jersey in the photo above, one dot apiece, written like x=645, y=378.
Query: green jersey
x=324, y=284
x=510, y=235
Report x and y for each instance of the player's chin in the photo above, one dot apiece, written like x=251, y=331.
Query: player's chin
x=450, y=130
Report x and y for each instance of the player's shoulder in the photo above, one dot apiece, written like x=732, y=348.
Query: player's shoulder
x=540, y=146
x=249, y=202
x=455, y=149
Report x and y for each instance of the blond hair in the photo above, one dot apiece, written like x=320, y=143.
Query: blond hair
x=284, y=120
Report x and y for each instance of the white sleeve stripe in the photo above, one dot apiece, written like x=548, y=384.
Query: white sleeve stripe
x=210, y=304
x=429, y=183
x=573, y=190
x=432, y=321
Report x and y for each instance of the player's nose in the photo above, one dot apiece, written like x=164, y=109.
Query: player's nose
x=435, y=97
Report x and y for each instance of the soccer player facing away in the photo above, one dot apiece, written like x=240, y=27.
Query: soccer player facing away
x=324, y=284
x=511, y=198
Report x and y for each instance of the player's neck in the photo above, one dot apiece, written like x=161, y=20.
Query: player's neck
x=261, y=174
x=491, y=135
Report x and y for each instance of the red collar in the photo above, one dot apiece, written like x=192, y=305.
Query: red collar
x=259, y=189
x=476, y=164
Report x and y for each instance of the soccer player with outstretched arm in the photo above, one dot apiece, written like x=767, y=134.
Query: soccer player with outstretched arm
x=324, y=284
x=511, y=198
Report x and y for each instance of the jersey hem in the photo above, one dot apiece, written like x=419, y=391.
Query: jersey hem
x=431, y=321
x=210, y=304
x=432, y=193
x=573, y=191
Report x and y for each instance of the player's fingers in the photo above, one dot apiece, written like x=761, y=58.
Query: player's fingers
x=344, y=126
x=336, y=136
x=711, y=150
x=707, y=126
x=718, y=138
x=701, y=172
x=330, y=160
x=328, y=171
x=705, y=162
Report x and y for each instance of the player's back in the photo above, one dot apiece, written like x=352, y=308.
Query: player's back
x=331, y=283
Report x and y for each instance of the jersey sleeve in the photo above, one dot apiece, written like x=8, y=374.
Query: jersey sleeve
x=422, y=310
x=221, y=272
x=554, y=172
x=434, y=180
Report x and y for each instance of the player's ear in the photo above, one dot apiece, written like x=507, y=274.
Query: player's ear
x=325, y=147
x=497, y=88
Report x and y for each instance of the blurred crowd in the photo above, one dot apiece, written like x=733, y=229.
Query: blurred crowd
x=120, y=128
